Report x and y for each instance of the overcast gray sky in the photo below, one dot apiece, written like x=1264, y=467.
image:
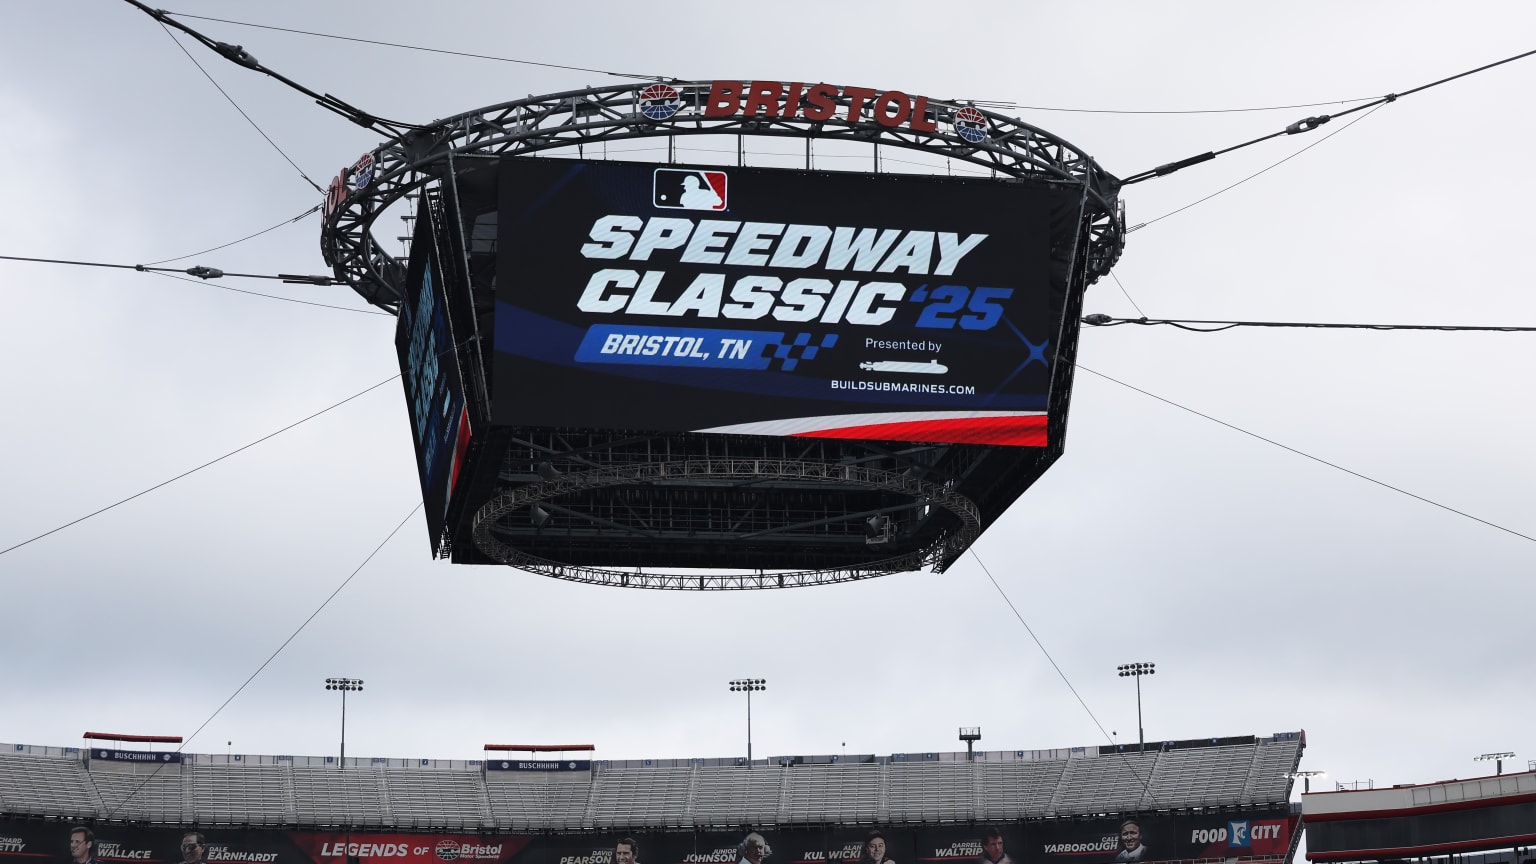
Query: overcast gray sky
x=1274, y=593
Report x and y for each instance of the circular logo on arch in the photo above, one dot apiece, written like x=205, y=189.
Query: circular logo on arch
x=447, y=850
x=659, y=101
x=971, y=124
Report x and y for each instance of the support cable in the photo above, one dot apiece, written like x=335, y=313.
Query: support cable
x=247, y=117
x=1146, y=782
x=1307, y=124
x=1014, y=106
x=443, y=50
x=1100, y=320
x=311, y=211
x=238, y=55
x=1304, y=454
x=192, y=471
x=1126, y=293
x=1263, y=170
x=199, y=272
x=277, y=296
x=267, y=662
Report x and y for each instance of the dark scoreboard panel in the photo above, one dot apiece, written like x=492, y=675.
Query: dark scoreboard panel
x=772, y=302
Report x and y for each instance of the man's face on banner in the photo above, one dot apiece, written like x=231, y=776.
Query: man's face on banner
x=1130, y=836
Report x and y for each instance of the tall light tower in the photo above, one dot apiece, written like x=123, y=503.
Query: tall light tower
x=1136, y=670
x=749, y=686
x=345, y=685
x=1496, y=758
x=1306, y=778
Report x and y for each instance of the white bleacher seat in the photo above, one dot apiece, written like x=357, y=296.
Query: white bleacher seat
x=538, y=800
x=331, y=797
x=640, y=797
x=825, y=793
x=239, y=795
x=141, y=792
x=732, y=795
x=930, y=791
x=436, y=799
x=46, y=786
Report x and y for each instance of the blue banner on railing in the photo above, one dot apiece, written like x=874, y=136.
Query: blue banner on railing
x=134, y=756
x=517, y=765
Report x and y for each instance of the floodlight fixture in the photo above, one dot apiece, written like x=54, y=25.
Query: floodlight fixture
x=970, y=735
x=749, y=686
x=1496, y=758
x=1136, y=670
x=1306, y=778
x=345, y=685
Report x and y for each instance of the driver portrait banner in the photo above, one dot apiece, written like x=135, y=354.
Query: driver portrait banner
x=1266, y=834
x=774, y=302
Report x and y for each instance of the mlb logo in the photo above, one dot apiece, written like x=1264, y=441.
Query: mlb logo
x=684, y=189
x=1238, y=836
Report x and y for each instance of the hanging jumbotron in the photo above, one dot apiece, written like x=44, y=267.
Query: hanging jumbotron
x=638, y=366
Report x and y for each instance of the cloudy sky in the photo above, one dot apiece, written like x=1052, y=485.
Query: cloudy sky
x=1273, y=592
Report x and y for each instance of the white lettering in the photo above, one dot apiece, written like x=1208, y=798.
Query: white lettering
x=644, y=302
x=914, y=252
x=753, y=241
x=661, y=233
x=707, y=245
x=702, y=297
x=952, y=249
x=801, y=246
x=753, y=296
x=863, y=310
x=803, y=300
x=595, y=297
x=612, y=241
x=869, y=244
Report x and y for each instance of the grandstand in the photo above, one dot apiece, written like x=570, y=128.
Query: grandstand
x=426, y=794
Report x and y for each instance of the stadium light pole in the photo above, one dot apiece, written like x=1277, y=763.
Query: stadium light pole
x=1496, y=758
x=345, y=685
x=749, y=686
x=1306, y=778
x=1136, y=670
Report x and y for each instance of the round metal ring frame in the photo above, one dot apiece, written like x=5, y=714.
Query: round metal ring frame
x=574, y=119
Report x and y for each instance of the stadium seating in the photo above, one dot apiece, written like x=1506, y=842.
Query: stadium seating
x=639, y=797
x=540, y=801
x=142, y=793
x=327, y=797
x=47, y=785
x=241, y=795
x=699, y=793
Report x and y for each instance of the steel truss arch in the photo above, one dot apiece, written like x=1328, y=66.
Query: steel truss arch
x=937, y=555
x=576, y=118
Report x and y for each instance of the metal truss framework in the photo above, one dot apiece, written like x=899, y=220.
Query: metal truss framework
x=576, y=118
x=516, y=501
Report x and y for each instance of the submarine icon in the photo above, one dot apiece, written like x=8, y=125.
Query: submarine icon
x=932, y=367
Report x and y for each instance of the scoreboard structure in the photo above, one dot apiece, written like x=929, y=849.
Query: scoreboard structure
x=671, y=374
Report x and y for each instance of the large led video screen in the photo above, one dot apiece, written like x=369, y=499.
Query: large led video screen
x=776, y=302
x=432, y=379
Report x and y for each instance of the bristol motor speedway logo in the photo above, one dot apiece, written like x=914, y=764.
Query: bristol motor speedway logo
x=684, y=189
x=971, y=124
x=449, y=849
x=659, y=101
